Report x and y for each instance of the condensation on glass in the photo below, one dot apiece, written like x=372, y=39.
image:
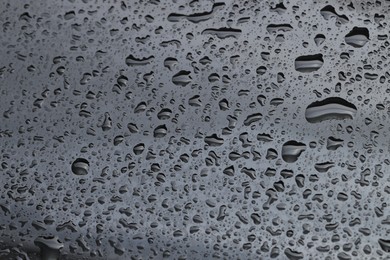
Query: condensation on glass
x=194, y=129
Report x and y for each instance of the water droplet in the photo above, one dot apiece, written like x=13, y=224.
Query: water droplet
x=324, y=167
x=330, y=108
x=160, y=131
x=196, y=17
x=319, y=39
x=214, y=140
x=50, y=247
x=182, y=78
x=309, y=63
x=80, y=166
x=357, y=37
x=291, y=151
x=293, y=255
x=133, y=61
x=333, y=143
x=328, y=12
x=273, y=28
x=223, y=33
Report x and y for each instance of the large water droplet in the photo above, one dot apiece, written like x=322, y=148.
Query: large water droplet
x=291, y=151
x=182, y=78
x=50, y=247
x=309, y=63
x=357, y=37
x=80, y=166
x=330, y=108
x=223, y=33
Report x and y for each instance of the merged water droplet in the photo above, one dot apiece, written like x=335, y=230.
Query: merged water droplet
x=133, y=61
x=291, y=151
x=223, y=33
x=357, y=37
x=384, y=244
x=252, y=119
x=333, y=143
x=292, y=254
x=214, y=140
x=330, y=108
x=329, y=12
x=170, y=63
x=197, y=17
x=273, y=28
x=182, y=78
x=309, y=63
x=324, y=167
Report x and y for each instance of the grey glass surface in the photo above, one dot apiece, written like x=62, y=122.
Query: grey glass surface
x=178, y=129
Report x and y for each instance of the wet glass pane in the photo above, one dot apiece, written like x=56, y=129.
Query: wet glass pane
x=194, y=129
